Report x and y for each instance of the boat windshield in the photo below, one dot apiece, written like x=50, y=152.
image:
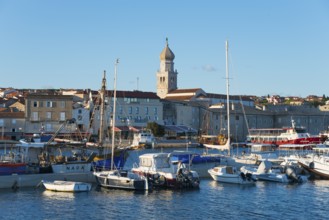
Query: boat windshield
x=162, y=162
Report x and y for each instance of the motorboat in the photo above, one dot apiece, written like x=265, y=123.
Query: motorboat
x=143, y=139
x=258, y=153
x=12, y=167
x=230, y=174
x=198, y=162
x=316, y=164
x=267, y=172
x=66, y=186
x=12, y=161
x=163, y=173
x=122, y=179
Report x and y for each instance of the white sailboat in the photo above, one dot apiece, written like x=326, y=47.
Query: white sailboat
x=217, y=145
x=227, y=145
x=113, y=178
x=226, y=173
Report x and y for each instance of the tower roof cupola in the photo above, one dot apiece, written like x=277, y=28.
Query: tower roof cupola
x=166, y=53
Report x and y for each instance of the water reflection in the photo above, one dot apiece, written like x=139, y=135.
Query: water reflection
x=321, y=183
x=62, y=196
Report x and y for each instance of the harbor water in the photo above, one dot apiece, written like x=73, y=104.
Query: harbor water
x=213, y=200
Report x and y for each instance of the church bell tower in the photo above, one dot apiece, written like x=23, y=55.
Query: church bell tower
x=166, y=76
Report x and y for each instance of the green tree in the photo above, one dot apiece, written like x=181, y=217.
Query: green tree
x=157, y=130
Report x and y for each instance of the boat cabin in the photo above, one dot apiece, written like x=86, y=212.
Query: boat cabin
x=262, y=148
x=155, y=161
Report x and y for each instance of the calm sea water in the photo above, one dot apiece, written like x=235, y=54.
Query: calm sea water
x=213, y=200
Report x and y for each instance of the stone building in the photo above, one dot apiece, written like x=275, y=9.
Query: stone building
x=47, y=112
x=206, y=112
x=11, y=125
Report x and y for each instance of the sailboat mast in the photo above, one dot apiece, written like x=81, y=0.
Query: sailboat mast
x=227, y=98
x=114, y=111
x=102, y=112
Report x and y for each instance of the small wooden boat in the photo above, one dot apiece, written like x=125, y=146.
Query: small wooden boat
x=66, y=186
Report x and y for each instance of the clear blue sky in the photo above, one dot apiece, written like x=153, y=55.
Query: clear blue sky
x=276, y=47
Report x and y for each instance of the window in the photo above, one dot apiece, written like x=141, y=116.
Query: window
x=146, y=110
x=137, y=110
x=35, y=116
x=49, y=104
x=130, y=110
x=155, y=111
x=48, y=127
x=48, y=115
x=62, y=116
x=120, y=110
x=35, y=104
x=13, y=121
x=1, y=122
x=62, y=104
x=79, y=111
x=237, y=117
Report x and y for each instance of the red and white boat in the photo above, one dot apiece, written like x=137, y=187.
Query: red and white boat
x=282, y=136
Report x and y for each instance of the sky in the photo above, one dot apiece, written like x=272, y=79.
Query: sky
x=275, y=47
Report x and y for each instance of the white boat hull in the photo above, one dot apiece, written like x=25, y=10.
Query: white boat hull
x=71, y=168
x=121, y=180
x=317, y=165
x=234, y=177
x=67, y=186
x=33, y=180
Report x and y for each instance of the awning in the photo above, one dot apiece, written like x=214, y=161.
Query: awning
x=180, y=128
x=126, y=128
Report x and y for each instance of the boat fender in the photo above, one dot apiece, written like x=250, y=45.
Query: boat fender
x=162, y=180
x=311, y=165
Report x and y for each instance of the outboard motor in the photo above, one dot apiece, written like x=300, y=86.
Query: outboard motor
x=292, y=174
